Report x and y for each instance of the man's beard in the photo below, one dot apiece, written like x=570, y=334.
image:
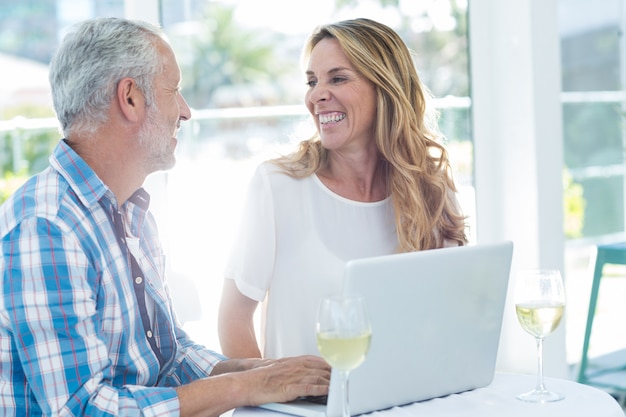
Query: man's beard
x=155, y=139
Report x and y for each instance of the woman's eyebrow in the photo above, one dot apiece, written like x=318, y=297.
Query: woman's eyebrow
x=332, y=70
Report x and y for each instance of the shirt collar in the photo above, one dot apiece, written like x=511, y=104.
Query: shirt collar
x=84, y=181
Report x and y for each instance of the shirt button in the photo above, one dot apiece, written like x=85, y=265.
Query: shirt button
x=149, y=334
x=138, y=280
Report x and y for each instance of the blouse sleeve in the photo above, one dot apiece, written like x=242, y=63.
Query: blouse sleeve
x=251, y=261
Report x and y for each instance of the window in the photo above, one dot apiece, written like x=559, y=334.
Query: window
x=593, y=79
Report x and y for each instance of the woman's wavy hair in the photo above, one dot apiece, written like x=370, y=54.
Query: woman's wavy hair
x=416, y=164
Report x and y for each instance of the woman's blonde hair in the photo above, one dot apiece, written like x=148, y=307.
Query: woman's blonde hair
x=415, y=163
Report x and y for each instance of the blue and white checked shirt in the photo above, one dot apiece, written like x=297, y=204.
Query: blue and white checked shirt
x=71, y=337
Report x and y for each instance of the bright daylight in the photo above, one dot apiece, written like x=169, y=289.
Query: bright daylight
x=400, y=207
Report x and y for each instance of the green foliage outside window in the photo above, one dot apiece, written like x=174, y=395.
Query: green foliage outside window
x=573, y=207
x=31, y=157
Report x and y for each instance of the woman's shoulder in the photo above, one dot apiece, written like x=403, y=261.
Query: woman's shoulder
x=268, y=167
x=277, y=174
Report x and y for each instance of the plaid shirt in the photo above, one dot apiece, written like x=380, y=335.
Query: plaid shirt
x=71, y=337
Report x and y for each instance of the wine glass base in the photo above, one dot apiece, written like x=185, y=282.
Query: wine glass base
x=540, y=396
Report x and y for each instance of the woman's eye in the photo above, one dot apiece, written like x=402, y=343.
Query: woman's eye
x=337, y=80
x=311, y=83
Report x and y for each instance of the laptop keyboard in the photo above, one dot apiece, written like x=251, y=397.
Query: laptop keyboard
x=316, y=399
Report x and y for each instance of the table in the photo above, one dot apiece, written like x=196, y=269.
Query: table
x=498, y=400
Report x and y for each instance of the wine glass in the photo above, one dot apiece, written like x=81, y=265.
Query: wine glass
x=343, y=337
x=539, y=305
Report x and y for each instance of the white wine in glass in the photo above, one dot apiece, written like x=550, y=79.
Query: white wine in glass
x=343, y=337
x=539, y=305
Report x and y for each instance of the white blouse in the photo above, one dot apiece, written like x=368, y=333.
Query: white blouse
x=294, y=239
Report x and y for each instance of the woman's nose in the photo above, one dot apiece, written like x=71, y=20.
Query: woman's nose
x=319, y=93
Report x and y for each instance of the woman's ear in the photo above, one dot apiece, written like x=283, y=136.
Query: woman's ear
x=130, y=99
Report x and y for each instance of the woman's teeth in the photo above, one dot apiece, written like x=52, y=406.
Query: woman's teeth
x=331, y=117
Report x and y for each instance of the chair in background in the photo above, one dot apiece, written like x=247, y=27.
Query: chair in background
x=609, y=371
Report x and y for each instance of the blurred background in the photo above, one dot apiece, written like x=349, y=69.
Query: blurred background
x=243, y=79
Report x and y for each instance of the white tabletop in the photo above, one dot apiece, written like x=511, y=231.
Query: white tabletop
x=498, y=400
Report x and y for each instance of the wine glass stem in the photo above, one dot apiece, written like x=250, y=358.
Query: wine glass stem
x=346, y=393
x=540, y=386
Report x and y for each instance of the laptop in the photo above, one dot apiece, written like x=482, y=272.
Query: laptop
x=436, y=317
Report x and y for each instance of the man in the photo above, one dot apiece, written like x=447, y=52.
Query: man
x=86, y=325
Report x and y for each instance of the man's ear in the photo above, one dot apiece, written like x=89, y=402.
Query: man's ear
x=130, y=99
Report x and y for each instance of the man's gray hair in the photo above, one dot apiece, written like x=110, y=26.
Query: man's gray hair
x=93, y=57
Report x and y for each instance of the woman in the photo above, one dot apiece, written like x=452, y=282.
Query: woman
x=372, y=181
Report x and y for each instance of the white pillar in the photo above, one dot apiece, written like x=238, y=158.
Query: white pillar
x=515, y=69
